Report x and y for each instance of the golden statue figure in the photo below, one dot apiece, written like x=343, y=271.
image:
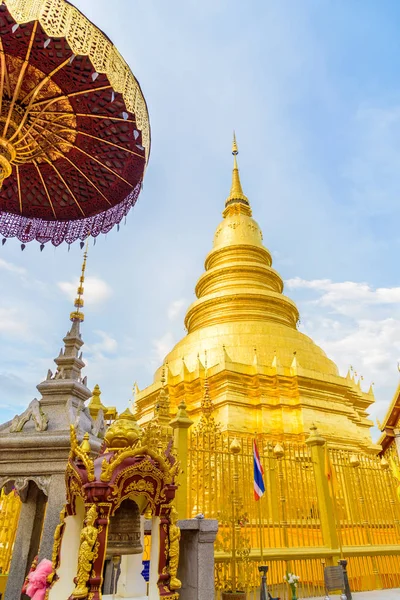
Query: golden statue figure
x=57, y=538
x=174, y=537
x=88, y=539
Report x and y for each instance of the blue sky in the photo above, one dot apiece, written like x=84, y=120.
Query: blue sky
x=313, y=91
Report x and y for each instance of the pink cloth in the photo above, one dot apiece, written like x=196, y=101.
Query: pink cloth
x=37, y=585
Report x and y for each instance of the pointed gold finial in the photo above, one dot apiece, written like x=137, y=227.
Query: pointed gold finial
x=235, y=150
x=77, y=315
x=85, y=445
x=237, y=196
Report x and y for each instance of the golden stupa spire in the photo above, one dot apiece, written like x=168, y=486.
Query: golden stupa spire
x=236, y=196
x=77, y=315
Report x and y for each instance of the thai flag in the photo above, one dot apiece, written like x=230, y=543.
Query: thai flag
x=259, y=487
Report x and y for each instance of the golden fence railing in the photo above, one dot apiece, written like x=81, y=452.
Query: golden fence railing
x=367, y=509
x=10, y=506
x=221, y=486
x=286, y=529
x=287, y=514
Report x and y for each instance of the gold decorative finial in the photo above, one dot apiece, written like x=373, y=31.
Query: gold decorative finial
x=235, y=446
x=237, y=196
x=278, y=451
x=384, y=463
x=354, y=461
x=235, y=150
x=85, y=445
x=162, y=406
x=77, y=315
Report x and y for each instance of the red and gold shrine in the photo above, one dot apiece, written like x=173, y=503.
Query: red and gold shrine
x=107, y=499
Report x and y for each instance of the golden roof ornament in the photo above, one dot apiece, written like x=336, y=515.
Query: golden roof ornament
x=162, y=407
x=95, y=403
x=235, y=446
x=124, y=432
x=77, y=315
x=354, y=461
x=206, y=404
x=236, y=195
x=384, y=463
x=207, y=422
x=85, y=445
x=278, y=451
x=95, y=406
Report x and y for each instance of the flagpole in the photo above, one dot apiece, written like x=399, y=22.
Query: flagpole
x=260, y=520
x=260, y=525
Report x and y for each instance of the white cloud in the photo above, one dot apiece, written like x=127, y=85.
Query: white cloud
x=348, y=297
x=13, y=323
x=7, y=266
x=356, y=325
x=175, y=308
x=96, y=290
x=107, y=345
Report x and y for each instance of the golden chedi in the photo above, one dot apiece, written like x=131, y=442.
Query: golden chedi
x=264, y=375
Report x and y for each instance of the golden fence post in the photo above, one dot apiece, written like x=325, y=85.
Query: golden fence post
x=270, y=476
x=181, y=425
x=235, y=449
x=279, y=454
x=317, y=445
x=356, y=464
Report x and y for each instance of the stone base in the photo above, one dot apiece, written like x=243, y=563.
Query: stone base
x=196, y=564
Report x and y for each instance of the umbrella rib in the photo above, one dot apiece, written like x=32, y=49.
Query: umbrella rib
x=31, y=126
x=20, y=80
x=45, y=188
x=3, y=74
x=67, y=186
x=87, y=178
x=33, y=154
x=91, y=116
x=93, y=137
x=34, y=93
x=19, y=189
x=65, y=96
x=41, y=83
x=102, y=165
x=92, y=158
x=79, y=171
x=4, y=71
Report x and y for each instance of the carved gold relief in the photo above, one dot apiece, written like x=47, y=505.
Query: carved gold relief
x=174, y=537
x=88, y=540
x=76, y=451
x=140, y=486
x=57, y=539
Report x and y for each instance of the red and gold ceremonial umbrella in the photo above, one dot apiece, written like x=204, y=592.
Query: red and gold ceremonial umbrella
x=74, y=126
